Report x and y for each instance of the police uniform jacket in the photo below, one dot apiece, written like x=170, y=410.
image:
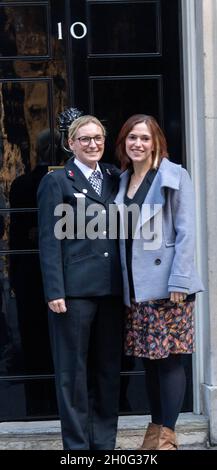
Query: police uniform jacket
x=74, y=264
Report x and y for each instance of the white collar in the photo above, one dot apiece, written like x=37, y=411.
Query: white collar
x=86, y=170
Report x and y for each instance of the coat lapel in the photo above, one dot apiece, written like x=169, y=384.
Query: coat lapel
x=81, y=184
x=124, y=180
x=168, y=175
x=119, y=200
x=154, y=202
x=109, y=181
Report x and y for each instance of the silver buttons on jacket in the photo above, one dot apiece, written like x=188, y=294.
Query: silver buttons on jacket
x=106, y=254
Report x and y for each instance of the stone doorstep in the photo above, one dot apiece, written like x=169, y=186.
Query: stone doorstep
x=192, y=430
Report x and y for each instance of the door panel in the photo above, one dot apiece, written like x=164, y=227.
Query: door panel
x=24, y=31
x=121, y=89
x=26, y=115
x=132, y=28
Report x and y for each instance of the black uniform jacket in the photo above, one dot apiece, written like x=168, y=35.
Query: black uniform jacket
x=75, y=265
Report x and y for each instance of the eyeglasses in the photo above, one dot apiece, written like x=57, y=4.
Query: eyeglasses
x=85, y=140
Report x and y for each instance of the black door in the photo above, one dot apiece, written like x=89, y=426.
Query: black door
x=125, y=59
x=109, y=58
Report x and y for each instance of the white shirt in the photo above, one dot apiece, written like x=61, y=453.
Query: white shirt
x=86, y=170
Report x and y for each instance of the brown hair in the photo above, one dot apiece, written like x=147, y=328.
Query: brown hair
x=82, y=121
x=159, y=140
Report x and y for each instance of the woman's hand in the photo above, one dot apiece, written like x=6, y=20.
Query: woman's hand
x=177, y=297
x=58, y=305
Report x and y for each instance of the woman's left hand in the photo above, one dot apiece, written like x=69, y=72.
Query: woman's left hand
x=177, y=297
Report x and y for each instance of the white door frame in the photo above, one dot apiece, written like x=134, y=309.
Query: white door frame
x=194, y=130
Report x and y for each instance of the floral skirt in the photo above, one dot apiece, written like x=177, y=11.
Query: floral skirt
x=157, y=328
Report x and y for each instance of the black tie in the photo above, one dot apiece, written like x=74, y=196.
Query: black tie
x=95, y=180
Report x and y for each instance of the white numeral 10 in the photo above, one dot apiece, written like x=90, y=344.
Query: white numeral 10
x=72, y=30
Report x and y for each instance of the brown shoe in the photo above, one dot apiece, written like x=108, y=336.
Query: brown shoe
x=167, y=440
x=151, y=438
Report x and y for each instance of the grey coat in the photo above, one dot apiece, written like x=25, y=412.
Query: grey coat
x=164, y=239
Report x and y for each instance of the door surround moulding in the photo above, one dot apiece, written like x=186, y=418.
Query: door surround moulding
x=195, y=159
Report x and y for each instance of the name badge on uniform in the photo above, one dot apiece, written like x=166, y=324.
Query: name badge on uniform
x=78, y=195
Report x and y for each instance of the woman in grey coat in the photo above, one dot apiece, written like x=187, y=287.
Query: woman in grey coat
x=156, y=205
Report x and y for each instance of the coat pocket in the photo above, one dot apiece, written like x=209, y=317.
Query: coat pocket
x=79, y=257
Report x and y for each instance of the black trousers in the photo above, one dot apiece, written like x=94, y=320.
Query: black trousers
x=86, y=346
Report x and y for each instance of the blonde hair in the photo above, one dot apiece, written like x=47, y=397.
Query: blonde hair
x=82, y=121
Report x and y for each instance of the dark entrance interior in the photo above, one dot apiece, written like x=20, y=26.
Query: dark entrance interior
x=109, y=58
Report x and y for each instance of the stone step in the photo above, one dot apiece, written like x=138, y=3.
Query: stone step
x=192, y=431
